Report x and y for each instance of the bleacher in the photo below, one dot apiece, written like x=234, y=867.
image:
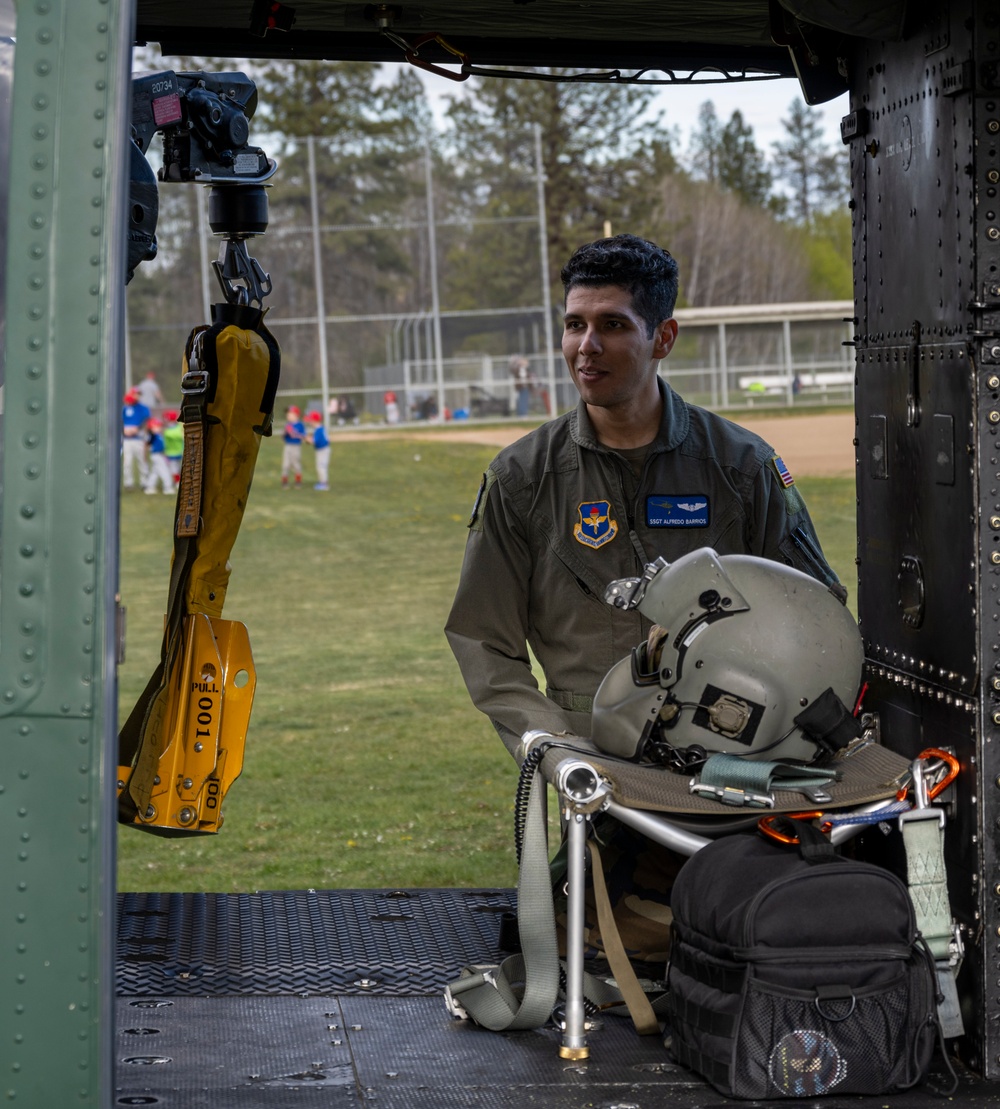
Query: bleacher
x=819, y=385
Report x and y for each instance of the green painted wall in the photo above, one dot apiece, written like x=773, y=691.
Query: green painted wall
x=58, y=550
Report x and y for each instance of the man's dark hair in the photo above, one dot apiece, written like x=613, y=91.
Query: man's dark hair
x=646, y=270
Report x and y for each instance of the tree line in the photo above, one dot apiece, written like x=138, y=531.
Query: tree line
x=745, y=224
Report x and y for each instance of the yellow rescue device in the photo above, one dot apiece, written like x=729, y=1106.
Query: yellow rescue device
x=194, y=746
x=182, y=746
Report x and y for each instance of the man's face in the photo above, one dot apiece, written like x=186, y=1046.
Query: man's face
x=610, y=357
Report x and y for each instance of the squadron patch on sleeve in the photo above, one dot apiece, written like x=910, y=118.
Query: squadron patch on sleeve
x=677, y=510
x=595, y=526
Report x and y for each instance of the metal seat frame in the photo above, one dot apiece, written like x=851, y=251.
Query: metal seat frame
x=582, y=791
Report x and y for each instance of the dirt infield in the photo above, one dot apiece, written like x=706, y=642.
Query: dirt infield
x=817, y=445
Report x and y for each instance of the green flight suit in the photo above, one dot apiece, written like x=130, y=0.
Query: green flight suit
x=559, y=516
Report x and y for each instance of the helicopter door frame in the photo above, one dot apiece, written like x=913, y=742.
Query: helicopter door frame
x=64, y=317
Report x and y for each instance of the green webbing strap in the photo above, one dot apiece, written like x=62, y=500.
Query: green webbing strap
x=643, y=1013
x=521, y=992
x=923, y=837
x=739, y=781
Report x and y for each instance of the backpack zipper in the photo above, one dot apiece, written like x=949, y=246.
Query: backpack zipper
x=822, y=954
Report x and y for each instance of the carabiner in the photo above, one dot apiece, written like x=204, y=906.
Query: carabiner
x=432, y=36
x=953, y=768
x=766, y=825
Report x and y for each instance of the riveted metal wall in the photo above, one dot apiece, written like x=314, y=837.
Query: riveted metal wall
x=58, y=544
x=924, y=126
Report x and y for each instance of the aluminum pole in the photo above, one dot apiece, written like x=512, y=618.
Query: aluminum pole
x=573, y=1044
x=128, y=355
x=203, y=260
x=713, y=375
x=543, y=253
x=723, y=365
x=324, y=367
x=786, y=335
x=395, y=335
x=435, y=301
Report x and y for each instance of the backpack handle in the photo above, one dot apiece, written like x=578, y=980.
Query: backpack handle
x=814, y=847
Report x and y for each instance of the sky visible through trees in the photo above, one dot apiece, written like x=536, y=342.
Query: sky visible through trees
x=762, y=103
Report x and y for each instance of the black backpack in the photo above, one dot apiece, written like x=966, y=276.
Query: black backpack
x=795, y=972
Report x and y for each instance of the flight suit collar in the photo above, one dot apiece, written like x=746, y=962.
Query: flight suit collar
x=674, y=423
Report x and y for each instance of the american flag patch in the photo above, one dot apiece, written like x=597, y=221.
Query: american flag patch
x=783, y=472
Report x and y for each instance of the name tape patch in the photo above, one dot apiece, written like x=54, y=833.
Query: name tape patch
x=677, y=510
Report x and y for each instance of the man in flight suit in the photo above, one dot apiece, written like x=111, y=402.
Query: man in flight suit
x=633, y=473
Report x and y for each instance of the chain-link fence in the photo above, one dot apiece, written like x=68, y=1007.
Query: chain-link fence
x=381, y=310
x=367, y=269
x=752, y=356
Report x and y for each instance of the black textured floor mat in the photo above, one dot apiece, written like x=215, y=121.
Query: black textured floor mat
x=200, y=1025
x=357, y=1052
x=395, y=942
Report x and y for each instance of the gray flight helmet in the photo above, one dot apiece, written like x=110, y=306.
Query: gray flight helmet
x=740, y=647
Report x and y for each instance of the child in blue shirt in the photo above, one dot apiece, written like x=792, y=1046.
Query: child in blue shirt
x=321, y=442
x=291, y=455
x=134, y=417
x=159, y=469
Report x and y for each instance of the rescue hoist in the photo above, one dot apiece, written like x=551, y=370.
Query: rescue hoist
x=181, y=747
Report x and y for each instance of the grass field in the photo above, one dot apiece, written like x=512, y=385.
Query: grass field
x=366, y=765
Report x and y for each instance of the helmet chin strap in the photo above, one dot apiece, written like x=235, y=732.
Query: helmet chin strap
x=745, y=782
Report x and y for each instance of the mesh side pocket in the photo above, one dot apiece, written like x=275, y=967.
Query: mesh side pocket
x=787, y=1046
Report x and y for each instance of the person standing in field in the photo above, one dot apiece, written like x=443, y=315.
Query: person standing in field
x=173, y=443
x=159, y=469
x=291, y=455
x=134, y=419
x=148, y=392
x=633, y=473
x=321, y=444
x=521, y=375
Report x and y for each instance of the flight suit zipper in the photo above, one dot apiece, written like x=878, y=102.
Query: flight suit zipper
x=631, y=508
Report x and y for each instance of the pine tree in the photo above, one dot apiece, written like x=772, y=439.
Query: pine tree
x=742, y=166
x=818, y=176
x=705, y=144
x=369, y=146
x=598, y=156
